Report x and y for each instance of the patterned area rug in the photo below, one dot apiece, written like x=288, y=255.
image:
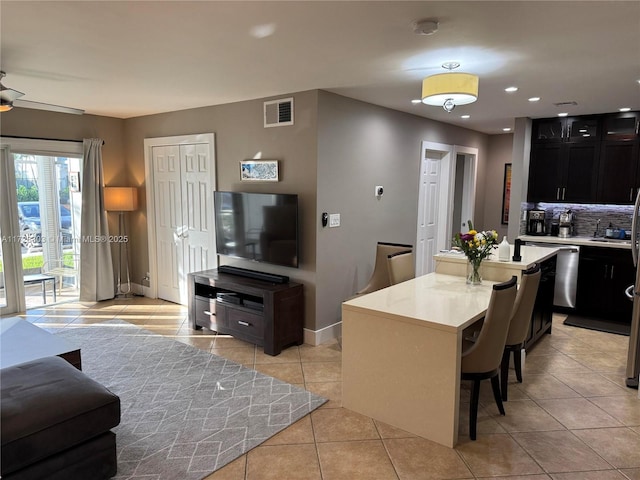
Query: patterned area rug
x=185, y=412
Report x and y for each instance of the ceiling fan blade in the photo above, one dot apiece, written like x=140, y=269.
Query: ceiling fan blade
x=9, y=94
x=47, y=106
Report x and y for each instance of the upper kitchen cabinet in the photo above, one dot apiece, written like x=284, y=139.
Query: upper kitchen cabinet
x=563, y=172
x=622, y=126
x=567, y=129
x=619, y=175
x=619, y=172
x=589, y=159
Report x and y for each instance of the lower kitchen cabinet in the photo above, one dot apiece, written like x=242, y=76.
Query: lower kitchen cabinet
x=603, y=275
x=542, y=316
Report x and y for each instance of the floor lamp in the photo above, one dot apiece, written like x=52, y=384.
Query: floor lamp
x=121, y=200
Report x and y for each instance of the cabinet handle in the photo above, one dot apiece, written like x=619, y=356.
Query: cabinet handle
x=563, y=189
x=211, y=314
x=244, y=324
x=611, y=272
x=558, y=194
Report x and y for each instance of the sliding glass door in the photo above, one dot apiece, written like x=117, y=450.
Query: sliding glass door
x=44, y=192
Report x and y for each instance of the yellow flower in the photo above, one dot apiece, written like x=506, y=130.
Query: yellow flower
x=472, y=232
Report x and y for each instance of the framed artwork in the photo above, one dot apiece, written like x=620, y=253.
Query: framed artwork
x=74, y=181
x=506, y=193
x=259, y=171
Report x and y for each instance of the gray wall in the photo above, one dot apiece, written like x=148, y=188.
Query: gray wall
x=500, y=153
x=240, y=135
x=360, y=146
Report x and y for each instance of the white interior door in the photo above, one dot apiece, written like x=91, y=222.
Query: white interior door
x=168, y=213
x=429, y=199
x=436, y=198
x=183, y=184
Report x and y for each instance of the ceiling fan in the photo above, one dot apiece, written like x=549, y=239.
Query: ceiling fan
x=10, y=98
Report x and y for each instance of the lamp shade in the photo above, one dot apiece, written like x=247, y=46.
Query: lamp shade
x=462, y=88
x=120, y=199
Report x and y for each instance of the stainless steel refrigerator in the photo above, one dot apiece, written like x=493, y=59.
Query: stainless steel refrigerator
x=633, y=292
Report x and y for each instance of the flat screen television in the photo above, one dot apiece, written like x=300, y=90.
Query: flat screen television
x=262, y=227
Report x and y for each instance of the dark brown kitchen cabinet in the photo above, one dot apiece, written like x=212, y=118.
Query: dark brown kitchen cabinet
x=587, y=159
x=622, y=126
x=567, y=129
x=563, y=172
x=603, y=275
x=619, y=172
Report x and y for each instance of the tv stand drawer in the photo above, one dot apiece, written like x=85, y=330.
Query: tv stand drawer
x=243, y=324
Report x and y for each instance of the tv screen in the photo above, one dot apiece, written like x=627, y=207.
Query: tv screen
x=262, y=227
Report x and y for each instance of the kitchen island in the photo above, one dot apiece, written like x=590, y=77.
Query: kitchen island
x=401, y=352
x=455, y=263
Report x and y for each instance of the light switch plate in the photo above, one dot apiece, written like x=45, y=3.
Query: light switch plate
x=334, y=220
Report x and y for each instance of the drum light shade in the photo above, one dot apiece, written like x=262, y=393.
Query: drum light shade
x=460, y=88
x=120, y=199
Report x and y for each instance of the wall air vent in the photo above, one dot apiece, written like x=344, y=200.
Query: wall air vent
x=278, y=113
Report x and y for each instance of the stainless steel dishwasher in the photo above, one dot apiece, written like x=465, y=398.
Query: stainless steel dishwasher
x=566, y=273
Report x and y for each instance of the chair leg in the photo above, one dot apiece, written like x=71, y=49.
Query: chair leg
x=504, y=373
x=517, y=362
x=473, y=408
x=495, y=385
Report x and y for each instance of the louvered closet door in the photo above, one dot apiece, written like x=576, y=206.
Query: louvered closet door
x=184, y=219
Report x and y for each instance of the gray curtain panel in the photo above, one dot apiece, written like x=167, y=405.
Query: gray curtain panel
x=96, y=267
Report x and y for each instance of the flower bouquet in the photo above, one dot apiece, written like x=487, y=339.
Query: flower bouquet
x=476, y=246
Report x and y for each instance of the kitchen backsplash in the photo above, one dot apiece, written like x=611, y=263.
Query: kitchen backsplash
x=585, y=216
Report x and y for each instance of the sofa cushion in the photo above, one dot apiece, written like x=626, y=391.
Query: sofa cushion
x=48, y=406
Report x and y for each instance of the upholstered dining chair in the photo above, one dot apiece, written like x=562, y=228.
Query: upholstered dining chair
x=481, y=360
x=401, y=266
x=519, y=326
x=380, y=276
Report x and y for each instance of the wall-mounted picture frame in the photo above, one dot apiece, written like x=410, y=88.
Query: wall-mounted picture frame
x=74, y=181
x=506, y=193
x=259, y=171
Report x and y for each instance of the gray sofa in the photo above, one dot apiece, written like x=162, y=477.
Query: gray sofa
x=55, y=423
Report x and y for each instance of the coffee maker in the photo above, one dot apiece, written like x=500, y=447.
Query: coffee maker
x=566, y=224
x=536, y=222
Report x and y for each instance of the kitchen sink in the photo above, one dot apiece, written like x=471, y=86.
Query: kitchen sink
x=611, y=240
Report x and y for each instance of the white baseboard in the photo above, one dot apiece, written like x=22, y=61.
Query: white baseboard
x=324, y=335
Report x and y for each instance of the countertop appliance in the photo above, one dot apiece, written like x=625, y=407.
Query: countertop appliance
x=633, y=292
x=536, y=222
x=564, y=294
x=565, y=225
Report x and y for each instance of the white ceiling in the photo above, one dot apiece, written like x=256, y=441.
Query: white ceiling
x=126, y=59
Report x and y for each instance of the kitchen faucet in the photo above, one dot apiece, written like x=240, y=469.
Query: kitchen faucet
x=595, y=234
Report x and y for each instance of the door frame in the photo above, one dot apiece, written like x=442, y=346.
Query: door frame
x=446, y=191
x=149, y=144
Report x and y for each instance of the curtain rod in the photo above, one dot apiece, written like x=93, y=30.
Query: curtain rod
x=48, y=139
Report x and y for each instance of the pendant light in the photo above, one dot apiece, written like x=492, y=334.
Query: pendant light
x=449, y=89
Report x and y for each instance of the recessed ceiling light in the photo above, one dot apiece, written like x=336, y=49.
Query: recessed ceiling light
x=511, y=89
x=416, y=100
x=506, y=129
x=563, y=114
x=465, y=116
x=625, y=109
x=534, y=99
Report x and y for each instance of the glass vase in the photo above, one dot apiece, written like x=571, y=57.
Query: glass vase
x=473, y=272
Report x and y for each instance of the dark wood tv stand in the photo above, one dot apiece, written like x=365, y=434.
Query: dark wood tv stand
x=267, y=314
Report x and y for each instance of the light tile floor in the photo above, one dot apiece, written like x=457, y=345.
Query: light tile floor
x=572, y=417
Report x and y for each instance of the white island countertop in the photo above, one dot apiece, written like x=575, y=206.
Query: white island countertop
x=455, y=263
